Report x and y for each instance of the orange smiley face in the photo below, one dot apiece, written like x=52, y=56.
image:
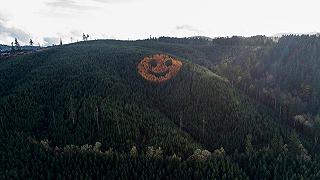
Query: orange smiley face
x=159, y=67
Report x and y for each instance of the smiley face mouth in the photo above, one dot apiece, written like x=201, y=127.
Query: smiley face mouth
x=159, y=74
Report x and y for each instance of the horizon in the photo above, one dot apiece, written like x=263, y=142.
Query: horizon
x=46, y=21
x=278, y=35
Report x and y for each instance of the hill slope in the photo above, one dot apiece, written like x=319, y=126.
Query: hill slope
x=92, y=92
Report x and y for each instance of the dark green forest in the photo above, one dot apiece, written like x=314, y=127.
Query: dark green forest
x=239, y=108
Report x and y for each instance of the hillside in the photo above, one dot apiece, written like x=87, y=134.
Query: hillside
x=280, y=74
x=4, y=48
x=67, y=109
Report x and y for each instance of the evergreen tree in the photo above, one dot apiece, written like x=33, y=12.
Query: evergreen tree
x=31, y=42
x=316, y=129
x=16, y=43
x=248, y=145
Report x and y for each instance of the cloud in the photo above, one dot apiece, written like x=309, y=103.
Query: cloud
x=75, y=33
x=48, y=41
x=2, y=18
x=111, y=1
x=70, y=4
x=79, y=5
x=72, y=8
x=186, y=27
x=7, y=32
x=67, y=8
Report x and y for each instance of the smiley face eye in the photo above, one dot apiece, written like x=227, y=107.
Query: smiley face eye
x=168, y=62
x=153, y=63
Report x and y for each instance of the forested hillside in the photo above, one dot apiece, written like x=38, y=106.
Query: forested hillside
x=86, y=110
x=281, y=73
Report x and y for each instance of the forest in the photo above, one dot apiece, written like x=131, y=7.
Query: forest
x=224, y=108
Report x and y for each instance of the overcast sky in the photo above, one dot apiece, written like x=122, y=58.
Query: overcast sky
x=45, y=21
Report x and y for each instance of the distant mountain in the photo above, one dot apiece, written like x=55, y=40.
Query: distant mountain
x=201, y=37
x=297, y=34
x=4, y=48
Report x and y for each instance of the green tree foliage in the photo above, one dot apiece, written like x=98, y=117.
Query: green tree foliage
x=316, y=129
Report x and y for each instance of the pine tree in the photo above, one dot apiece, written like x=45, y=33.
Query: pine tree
x=12, y=47
x=248, y=145
x=31, y=42
x=17, y=44
x=316, y=129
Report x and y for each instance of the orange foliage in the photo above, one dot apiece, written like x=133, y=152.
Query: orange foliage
x=159, y=67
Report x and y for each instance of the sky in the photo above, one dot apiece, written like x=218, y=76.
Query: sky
x=46, y=21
